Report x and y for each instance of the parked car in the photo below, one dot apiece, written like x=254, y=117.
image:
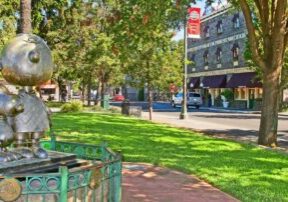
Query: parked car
x=177, y=100
x=75, y=96
x=118, y=98
x=193, y=99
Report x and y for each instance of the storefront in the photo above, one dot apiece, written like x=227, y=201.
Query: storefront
x=246, y=89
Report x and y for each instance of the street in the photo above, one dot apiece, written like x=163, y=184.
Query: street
x=235, y=125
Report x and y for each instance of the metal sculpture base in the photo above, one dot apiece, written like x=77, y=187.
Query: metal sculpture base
x=36, y=165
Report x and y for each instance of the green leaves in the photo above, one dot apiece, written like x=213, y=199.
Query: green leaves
x=8, y=20
x=105, y=39
x=144, y=41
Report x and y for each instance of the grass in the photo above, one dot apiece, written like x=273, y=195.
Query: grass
x=247, y=172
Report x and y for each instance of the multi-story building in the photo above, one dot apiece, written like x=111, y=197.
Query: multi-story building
x=217, y=60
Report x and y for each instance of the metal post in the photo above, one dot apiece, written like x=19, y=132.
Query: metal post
x=53, y=141
x=183, y=114
x=64, y=184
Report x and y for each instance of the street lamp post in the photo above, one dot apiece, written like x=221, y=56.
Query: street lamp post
x=183, y=114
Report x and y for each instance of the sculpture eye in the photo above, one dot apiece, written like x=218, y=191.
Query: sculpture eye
x=34, y=56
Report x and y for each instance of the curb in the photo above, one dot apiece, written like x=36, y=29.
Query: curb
x=232, y=110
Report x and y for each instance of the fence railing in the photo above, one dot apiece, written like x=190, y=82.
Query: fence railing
x=98, y=180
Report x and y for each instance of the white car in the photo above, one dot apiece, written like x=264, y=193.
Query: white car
x=193, y=99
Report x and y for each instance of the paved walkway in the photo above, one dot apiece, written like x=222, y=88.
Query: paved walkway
x=146, y=183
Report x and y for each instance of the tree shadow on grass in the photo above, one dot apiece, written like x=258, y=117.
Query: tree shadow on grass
x=237, y=116
x=246, y=135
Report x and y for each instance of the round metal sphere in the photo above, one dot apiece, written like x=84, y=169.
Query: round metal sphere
x=26, y=61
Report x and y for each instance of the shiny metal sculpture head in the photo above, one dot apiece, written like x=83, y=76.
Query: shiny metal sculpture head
x=26, y=61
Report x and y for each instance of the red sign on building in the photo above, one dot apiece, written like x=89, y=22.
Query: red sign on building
x=193, y=24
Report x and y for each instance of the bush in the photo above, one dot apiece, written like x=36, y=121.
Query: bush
x=73, y=106
x=284, y=107
x=96, y=108
x=54, y=104
x=228, y=94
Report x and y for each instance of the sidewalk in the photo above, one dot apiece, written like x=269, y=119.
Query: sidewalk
x=147, y=183
x=240, y=111
x=218, y=109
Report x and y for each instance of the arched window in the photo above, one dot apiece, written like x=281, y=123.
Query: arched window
x=219, y=27
x=235, y=51
x=205, y=57
x=191, y=59
x=206, y=32
x=236, y=21
x=218, y=55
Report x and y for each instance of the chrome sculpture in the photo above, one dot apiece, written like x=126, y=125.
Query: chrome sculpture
x=9, y=106
x=26, y=61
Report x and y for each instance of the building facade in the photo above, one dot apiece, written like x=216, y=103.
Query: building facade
x=217, y=60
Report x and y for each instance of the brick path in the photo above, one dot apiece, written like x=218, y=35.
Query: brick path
x=146, y=183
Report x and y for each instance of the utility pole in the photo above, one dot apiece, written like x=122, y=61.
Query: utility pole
x=184, y=114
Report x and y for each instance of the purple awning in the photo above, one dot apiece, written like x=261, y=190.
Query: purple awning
x=194, y=82
x=248, y=80
x=214, y=81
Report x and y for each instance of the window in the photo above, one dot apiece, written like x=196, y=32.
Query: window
x=219, y=27
x=192, y=58
x=48, y=91
x=206, y=32
x=218, y=55
x=239, y=93
x=194, y=95
x=235, y=51
x=236, y=21
x=205, y=57
x=192, y=62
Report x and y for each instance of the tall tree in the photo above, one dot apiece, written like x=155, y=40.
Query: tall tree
x=105, y=62
x=154, y=65
x=268, y=43
x=142, y=36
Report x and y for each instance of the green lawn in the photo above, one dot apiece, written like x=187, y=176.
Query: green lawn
x=247, y=172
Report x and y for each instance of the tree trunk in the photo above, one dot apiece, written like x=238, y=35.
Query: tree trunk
x=83, y=93
x=125, y=93
x=89, y=91
x=150, y=101
x=281, y=92
x=60, y=84
x=103, y=86
x=268, y=44
x=270, y=107
x=98, y=95
x=25, y=16
x=102, y=90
